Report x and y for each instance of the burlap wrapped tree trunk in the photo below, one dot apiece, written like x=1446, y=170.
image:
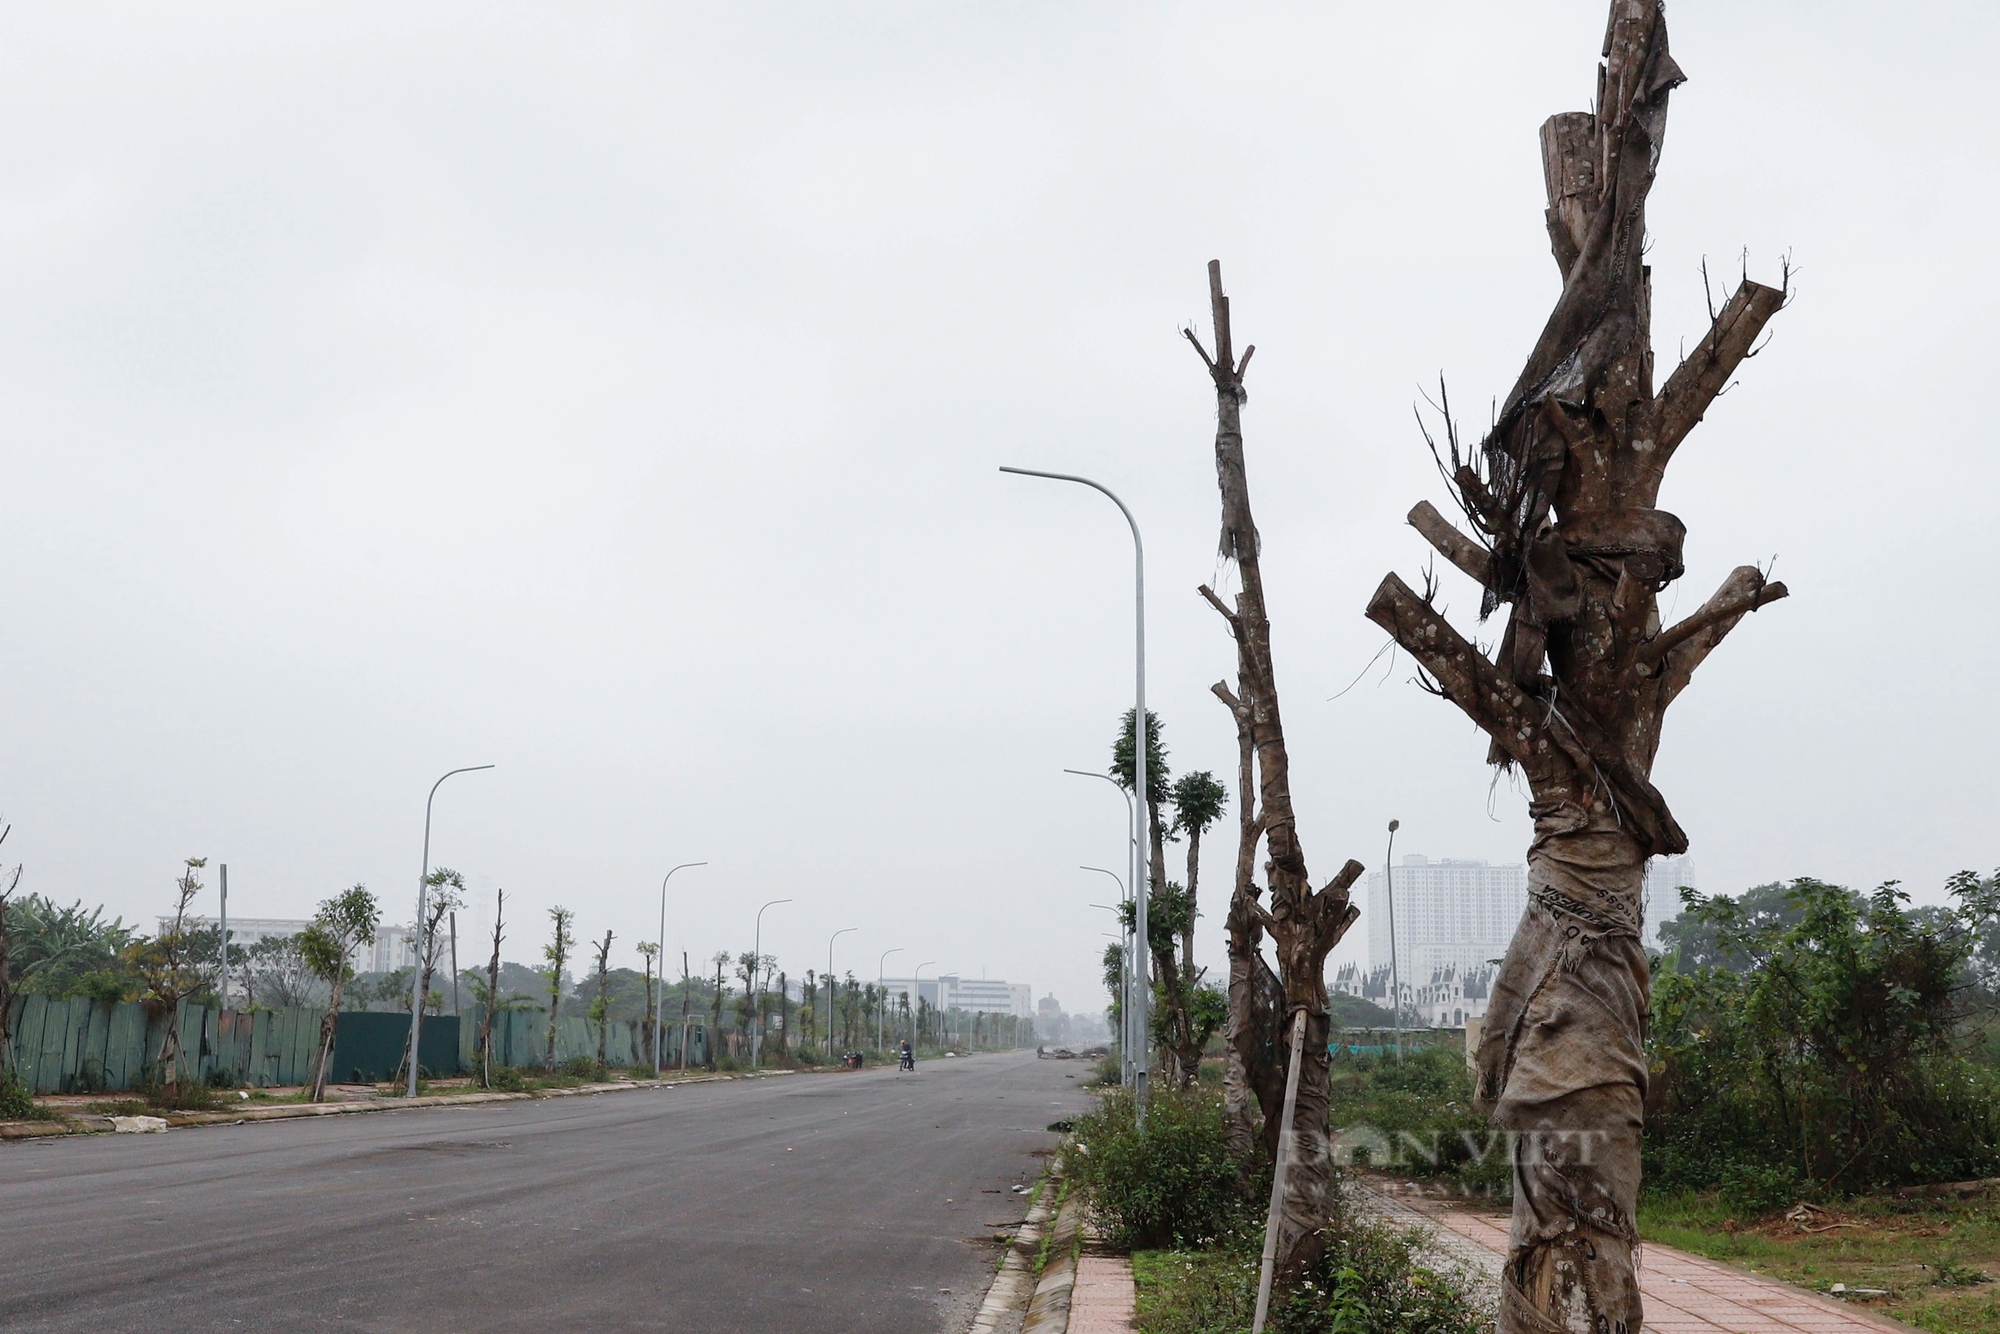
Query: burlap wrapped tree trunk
x=1562, y=495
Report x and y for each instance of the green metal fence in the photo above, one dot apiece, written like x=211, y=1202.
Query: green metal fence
x=79, y=1045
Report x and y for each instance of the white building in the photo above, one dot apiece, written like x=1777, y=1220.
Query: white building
x=973, y=995
x=244, y=931
x=1448, y=914
x=1665, y=878
x=395, y=946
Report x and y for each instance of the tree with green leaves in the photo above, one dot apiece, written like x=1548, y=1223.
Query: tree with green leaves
x=1824, y=1044
x=168, y=966
x=1199, y=799
x=339, y=929
x=556, y=955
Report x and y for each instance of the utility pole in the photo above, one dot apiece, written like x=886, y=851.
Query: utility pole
x=423, y=888
x=225, y=944
x=1395, y=974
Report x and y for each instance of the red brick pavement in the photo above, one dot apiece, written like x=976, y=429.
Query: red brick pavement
x=1686, y=1294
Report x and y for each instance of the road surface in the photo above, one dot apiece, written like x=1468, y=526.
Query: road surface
x=825, y=1203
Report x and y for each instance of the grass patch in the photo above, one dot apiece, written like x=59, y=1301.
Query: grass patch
x=1934, y=1257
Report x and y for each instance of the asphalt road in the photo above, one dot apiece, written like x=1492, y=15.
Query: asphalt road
x=863, y=1201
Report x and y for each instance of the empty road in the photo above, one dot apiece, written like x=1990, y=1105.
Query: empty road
x=823, y=1203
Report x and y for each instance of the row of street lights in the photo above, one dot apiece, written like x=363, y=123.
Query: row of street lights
x=1134, y=1038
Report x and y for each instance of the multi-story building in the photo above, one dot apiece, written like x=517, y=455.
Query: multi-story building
x=972, y=995
x=244, y=931
x=1448, y=914
x=1665, y=878
x=1051, y=1024
x=395, y=946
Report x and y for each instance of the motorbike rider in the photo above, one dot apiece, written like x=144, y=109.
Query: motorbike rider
x=909, y=1058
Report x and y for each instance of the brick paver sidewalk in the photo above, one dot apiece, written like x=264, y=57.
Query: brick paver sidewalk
x=1102, y=1300
x=1686, y=1294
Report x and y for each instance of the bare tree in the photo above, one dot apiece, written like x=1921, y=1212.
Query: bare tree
x=1561, y=495
x=342, y=925
x=492, y=994
x=1304, y=925
x=715, y=1036
x=600, y=1009
x=556, y=955
x=649, y=951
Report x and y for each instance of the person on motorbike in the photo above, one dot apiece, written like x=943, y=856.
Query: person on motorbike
x=908, y=1060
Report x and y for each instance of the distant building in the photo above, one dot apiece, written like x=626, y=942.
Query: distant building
x=1665, y=878
x=972, y=995
x=245, y=931
x=1448, y=914
x=1051, y=1024
x=395, y=946
x=1444, y=998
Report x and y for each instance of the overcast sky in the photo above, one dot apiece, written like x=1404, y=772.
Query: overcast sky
x=615, y=396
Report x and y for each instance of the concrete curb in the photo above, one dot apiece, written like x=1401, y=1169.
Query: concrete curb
x=1014, y=1285
x=1048, y=1311
x=91, y=1123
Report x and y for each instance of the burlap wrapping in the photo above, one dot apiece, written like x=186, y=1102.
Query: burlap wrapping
x=1562, y=1068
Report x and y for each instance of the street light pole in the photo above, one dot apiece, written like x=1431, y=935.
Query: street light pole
x=423, y=889
x=225, y=945
x=1124, y=977
x=1125, y=1043
x=881, y=986
x=917, y=999
x=829, y=983
x=1140, y=881
x=1395, y=976
x=757, y=971
x=658, y=1023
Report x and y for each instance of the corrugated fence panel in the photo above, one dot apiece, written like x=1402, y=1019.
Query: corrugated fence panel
x=263, y=1054
x=28, y=1041
x=90, y=1060
x=291, y=1068
x=121, y=1044
x=76, y=1025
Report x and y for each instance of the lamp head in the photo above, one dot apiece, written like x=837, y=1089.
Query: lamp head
x=1394, y=825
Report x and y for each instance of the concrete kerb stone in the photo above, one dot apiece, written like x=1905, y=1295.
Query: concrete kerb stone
x=1013, y=1284
x=1048, y=1310
x=90, y=1123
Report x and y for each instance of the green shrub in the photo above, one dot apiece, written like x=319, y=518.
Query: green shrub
x=1171, y=1184
x=222, y=1077
x=1370, y=1282
x=17, y=1100
x=587, y=1068
x=1824, y=1049
x=506, y=1079
x=1416, y=1116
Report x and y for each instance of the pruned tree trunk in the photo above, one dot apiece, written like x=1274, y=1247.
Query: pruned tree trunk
x=1304, y=925
x=603, y=1006
x=492, y=994
x=1562, y=495
x=1246, y=1034
x=329, y=1025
